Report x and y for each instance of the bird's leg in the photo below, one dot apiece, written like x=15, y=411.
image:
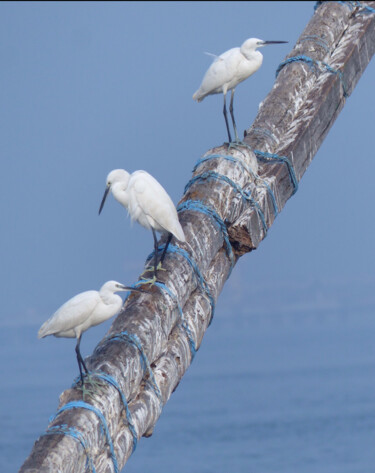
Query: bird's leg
x=81, y=363
x=149, y=268
x=237, y=142
x=226, y=118
x=156, y=247
x=232, y=115
x=164, y=251
x=155, y=268
x=94, y=385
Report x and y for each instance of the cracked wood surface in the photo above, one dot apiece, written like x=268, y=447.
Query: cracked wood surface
x=292, y=121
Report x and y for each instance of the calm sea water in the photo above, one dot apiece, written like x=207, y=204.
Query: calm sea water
x=268, y=394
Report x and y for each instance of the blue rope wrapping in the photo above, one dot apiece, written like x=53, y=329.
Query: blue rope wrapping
x=348, y=4
x=316, y=39
x=103, y=424
x=269, y=156
x=134, y=340
x=245, y=195
x=63, y=429
x=314, y=63
x=246, y=168
x=110, y=380
x=351, y=5
x=184, y=323
x=199, y=206
x=237, y=145
x=367, y=9
x=202, y=282
x=264, y=132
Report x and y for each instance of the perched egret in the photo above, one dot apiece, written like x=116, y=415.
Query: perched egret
x=228, y=70
x=148, y=203
x=83, y=311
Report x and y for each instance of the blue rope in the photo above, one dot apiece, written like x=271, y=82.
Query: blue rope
x=103, y=423
x=77, y=435
x=351, y=5
x=368, y=9
x=237, y=146
x=184, y=323
x=110, y=380
x=245, y=195
x=228, y=157
x=316, y=39
x=208, y=157
x=264, y=132
x=246, y=168
x=202, y=282
x=314, y=63
x=269, y=156
x=199, y=206
x=134, y=340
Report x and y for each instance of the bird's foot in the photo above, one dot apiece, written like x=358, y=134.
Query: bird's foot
x=159, y=267
x=90, y=385
x=148, y=269
x=152, y=268
x=143, y=281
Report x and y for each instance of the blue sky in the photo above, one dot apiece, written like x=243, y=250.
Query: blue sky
x=89, y=87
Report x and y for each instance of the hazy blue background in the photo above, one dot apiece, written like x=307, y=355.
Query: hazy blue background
x=284, y=380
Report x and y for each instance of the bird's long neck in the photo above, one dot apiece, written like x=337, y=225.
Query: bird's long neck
x=120, y=193
x=255, y=56
x=109, y=298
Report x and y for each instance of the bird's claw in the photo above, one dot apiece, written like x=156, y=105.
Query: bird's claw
x=151, y=281
x=89, y=386
x=152, y=268
x=148, y=269
x=159, y=267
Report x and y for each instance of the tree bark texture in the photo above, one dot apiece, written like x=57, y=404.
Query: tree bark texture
x=171, y=318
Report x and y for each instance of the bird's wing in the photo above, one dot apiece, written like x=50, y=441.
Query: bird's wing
x=71, y=314
x=151, y=199
x=219, y=73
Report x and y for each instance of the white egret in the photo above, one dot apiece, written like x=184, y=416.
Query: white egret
x=148, y=203
x=83, y=311
x=228, y=70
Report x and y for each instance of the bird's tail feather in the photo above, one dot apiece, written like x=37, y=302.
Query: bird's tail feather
x=43, y=330
x=179, y=234
x=197, y=96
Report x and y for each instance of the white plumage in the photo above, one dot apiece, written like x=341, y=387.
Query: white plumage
x=147, y=203
x=83, y=311
x=228, y=70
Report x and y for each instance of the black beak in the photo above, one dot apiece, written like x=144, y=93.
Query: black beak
x=274, y=42
x=136, y=289
x=104, y=197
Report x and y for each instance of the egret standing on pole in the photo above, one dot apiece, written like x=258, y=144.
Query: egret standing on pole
x=228, y=70
x=148, y=203
x=83, y=311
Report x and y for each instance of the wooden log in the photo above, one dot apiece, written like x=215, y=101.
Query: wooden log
x=306, y=98
x=292, y=121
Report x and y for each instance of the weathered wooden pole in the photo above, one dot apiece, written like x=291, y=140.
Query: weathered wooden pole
x=225, y=212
